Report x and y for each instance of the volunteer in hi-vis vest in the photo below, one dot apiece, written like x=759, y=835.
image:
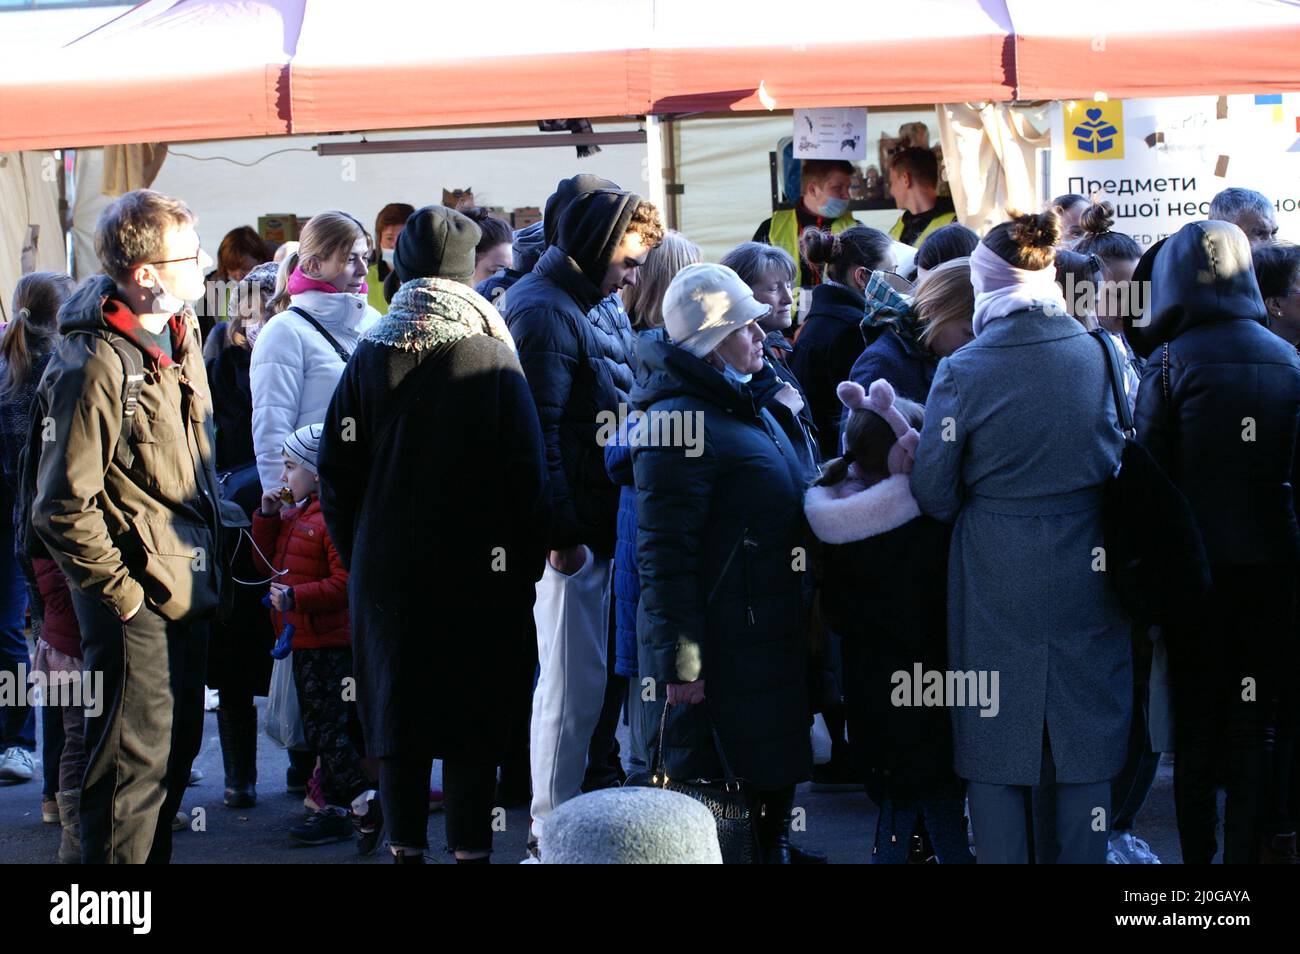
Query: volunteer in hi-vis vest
x=914, y=184
x=388, y=225
x=824, y=204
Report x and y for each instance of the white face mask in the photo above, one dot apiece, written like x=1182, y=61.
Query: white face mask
x=251, y=330
x=164, y=302
x=388, y=254
x=735, y=375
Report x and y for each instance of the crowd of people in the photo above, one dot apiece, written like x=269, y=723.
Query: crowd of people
x=837, y=488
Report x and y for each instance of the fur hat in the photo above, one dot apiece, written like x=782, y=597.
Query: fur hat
x=880, y=399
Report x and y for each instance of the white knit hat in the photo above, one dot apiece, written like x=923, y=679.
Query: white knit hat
x=303, y=444
x=705, y=303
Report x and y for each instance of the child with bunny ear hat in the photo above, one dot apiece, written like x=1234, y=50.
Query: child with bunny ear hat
x=884, y=591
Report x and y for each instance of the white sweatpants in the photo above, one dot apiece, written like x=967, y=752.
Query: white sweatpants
x=572, y=615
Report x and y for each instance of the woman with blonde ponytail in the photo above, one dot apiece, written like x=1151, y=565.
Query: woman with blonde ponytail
x=321, y=311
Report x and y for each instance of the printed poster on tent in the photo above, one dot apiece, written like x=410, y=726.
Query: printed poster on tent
x=830, y=133
x=1161, y=161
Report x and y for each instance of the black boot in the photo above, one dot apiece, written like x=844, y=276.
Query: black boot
x=237, y=727
x=774, y=832
x=301, y=764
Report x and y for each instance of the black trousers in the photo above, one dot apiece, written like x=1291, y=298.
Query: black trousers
x=1228, y=672
x=468, y=792
x=143, y=734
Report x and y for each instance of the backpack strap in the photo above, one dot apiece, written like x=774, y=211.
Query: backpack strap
x=132, y=384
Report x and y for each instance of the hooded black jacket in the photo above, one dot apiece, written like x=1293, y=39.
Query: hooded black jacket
x=1226, y=432
x=577, y=355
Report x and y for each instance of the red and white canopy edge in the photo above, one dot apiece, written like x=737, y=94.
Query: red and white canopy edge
x=177, y=70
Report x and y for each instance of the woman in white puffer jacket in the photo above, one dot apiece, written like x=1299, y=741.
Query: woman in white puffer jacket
x=297, y=364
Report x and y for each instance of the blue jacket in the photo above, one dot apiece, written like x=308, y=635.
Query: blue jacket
x=909, y=369
x=627, y=583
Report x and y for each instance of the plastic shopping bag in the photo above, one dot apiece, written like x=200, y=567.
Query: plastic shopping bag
x=283, y=718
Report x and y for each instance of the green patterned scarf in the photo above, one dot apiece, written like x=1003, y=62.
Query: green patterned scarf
x=886, y=308
x=427, y=312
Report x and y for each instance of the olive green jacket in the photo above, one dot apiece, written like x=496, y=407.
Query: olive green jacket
x=140, y=518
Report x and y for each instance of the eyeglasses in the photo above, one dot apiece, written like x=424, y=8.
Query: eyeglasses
x=195, y=258
x=189, y=258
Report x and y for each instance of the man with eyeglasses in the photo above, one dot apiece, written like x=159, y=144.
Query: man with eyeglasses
x=125, y=499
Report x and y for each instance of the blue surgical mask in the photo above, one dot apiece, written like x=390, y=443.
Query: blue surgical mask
x=735, y=375
x=833, y=208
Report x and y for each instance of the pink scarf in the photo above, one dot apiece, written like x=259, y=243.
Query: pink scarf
x=300, y=282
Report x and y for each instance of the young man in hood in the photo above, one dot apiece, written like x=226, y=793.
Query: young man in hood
x=126, y=501
x=576, y=353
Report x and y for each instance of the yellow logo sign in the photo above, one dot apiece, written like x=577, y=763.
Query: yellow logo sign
x=1094, y=130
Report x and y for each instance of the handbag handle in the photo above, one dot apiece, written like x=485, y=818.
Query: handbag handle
x=730, y=782
x=1115, y=372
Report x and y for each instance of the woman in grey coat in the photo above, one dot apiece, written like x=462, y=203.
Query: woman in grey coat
x=1020, y=436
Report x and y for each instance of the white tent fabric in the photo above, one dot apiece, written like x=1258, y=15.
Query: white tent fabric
x=990, y=154
x=29, y=194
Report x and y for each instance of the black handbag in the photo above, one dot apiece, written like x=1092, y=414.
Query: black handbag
x=725, y=800
x=1154, y=552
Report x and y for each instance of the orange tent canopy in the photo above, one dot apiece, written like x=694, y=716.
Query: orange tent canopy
x=175, y=70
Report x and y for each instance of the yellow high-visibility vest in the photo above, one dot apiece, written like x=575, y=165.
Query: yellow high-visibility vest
x=938, y=222
x=375, y=290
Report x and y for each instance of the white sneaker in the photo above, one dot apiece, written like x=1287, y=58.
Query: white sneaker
x=1126, y=848
x=16, y=765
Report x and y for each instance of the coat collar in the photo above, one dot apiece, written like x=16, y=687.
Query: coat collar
x=846, y=512
x=839, y=302
x=1029, y=326
x=333, y=310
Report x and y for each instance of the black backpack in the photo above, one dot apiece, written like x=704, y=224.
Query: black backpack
x=1154, y=552
x=30, y=457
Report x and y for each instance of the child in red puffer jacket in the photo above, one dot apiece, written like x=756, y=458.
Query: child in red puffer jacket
x=310, y=593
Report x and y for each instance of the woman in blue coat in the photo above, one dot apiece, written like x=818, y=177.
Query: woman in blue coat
x=719, y=522
x=1020, y=436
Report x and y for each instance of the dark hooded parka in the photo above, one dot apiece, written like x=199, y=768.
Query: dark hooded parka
x=1218, y=407
x=1222, y=418
x=576, y=360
